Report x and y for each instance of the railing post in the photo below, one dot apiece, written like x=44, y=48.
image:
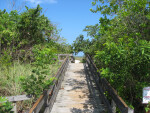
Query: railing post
x=105, y=86
x=14, y=109
x=130, y=110
x=113, y=106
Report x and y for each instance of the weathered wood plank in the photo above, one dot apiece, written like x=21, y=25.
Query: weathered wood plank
x=39, y=105
x=106, y=86
x=113, y=106
x=130, y=110
x=36, y=103
x=18, y=98
x=52, y=91
x=55, y=91
x=101, y=92
x=117, y=99
x=65, y=55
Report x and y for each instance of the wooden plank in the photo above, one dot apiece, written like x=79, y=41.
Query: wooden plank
x=65, y=55
x=112, y=92
x=39, y=105
x=130, y=110
x=18, y=98
x=57, y=77
x=55, y=91
x=49, y=94
x=61, y=60
x=14, y=99
x=101, y=93
x=113, y=106
x=43, y=98
x=104, y=99
x=47, y=109
x=14, y=109
x=36, y=103
x=52, y=100
x=40, y=100
x=117, y=99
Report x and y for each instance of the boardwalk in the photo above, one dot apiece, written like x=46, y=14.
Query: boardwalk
x=75, y=95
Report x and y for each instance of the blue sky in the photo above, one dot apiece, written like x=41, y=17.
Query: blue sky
x=69, y=15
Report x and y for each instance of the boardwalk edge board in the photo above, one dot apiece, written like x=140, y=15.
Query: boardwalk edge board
x=104, y=85
x=46, y=100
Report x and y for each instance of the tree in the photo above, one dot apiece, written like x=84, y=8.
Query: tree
x=91, y=30
x=120, y=46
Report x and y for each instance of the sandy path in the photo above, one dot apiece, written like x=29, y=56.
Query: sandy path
x=77, y=61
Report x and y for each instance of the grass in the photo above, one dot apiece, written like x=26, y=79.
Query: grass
x=10, y=80
x=10, y=83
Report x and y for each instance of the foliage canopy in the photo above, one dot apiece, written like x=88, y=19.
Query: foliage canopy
x=120, y=46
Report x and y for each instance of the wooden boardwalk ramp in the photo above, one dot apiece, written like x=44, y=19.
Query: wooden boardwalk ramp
x=78, y=93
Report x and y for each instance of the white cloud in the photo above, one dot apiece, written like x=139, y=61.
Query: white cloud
x=35, y=2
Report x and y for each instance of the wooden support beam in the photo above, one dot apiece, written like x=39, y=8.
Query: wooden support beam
x=48, y=97
x=18, y=98
x=116, y=99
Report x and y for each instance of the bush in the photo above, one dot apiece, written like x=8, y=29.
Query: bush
x=126, y=66
x=5, y=106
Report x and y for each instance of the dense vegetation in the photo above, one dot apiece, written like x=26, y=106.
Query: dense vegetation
x=29, y=44
x=120, y=46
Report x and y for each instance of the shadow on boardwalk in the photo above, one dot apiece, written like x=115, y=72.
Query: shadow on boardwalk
x=78, y=93
x=94, y=97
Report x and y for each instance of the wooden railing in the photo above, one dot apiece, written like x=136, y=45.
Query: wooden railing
x=45, y=102
x=72, y=59
x=17, y=98
x=103, y=85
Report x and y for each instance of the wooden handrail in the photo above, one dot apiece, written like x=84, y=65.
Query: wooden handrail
x=65, y=54
x=111, y=91
x=41, y=100
x=18, y=98
x=36, y=103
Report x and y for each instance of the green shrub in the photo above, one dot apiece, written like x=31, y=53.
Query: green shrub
x=5, y=106
x=35, y=85
x=39, y=79
x=126, y=66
